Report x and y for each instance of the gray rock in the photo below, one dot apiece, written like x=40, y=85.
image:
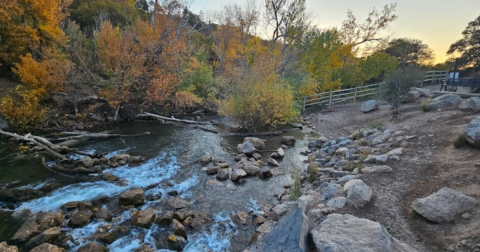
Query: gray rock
x=444, y=205
x=143, y=218
x=337, y=202
x=382, y=159
x=423, y=91
x=347, y=233
x=257, y=156
x=471, y=104
x=258, y=143
x=135, y=197
x=358, y=194
x=238, y=174
x=265, y=172
x=204, y=159
x=376, y=169
x=445, y=102
x=178, y=203
x=240, y=218
x=223, y=174
x=472, y=132
x=329, y=190
x=93, y=247
x=247, y=148
x=80, y=218
x=84, y=162
x=290, y=234
x=213, y=170
x=411, y=96
x=251, y=170
x=272, y=162
x=288, y=140
x=369, y=106
x=178, y=228
x=103, y=214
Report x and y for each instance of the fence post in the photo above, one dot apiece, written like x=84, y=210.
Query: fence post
x=331, y=96
x=304, y=103
x=355, y=95
x=433, y=77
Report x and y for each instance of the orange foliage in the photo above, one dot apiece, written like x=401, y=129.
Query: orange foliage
x=24, y=111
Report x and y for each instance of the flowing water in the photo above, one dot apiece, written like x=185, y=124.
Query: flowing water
x=170, y=152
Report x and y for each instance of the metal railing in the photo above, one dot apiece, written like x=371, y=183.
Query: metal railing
x=332, y=97
x=434, y=77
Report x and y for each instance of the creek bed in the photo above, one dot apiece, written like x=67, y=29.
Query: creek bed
x=170, y=151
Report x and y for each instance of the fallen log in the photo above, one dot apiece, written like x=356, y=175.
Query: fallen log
x=27, y=138
x=171, y=119
x=78, y=139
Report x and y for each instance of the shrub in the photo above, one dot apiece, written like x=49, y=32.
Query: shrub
x=297, y=187
x=363, y=142
x=357, y=135
x=377, y=125
x=398, y=84
x=22, y=109
x=425, y=104
x=261, y=102
x=460, y=141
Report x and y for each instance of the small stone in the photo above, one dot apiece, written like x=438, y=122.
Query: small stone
x=238, y=174
x=143, y=218
x=272, y=162
x=179, y=229
x=213, y=170
x=240, y=218
x=288, y=140
x=223, y=174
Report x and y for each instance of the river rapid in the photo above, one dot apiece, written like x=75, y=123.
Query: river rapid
x=170, y=152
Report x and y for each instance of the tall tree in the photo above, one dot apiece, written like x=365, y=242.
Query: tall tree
x=288, y=21
x=469, y=45
x=409, y=51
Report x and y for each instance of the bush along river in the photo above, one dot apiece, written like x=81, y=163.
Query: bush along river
x=190, y=191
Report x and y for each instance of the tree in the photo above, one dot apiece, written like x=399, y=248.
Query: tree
x=398, y=84
x=469, y=45
x=288, y=21
x=355, y=34
x=409, y=51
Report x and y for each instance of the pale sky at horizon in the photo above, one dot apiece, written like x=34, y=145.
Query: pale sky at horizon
x=437, y=23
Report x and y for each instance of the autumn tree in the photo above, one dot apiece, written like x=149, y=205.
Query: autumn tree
x=469, y=46
x=409, y=51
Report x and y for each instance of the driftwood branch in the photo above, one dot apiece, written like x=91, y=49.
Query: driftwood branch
x=30, y=139
x=268, y=133
x=171, y=119
x=81, y=138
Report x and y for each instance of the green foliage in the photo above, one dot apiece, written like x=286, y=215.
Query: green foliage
x=398, y=84
x=377, y=125
x=425, y=104
x=363, y=142
x=409, y=51
x=357, y=135
x=297, y=186
x=460, y=141
x=88, y=13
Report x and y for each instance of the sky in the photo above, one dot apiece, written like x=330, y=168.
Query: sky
x=438, y=23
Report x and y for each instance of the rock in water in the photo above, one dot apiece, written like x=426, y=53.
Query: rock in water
x=135, y=197
x=246, y=148
x=238, y=174
x=223, y=174
x=80, y=218
x=143, y=218
x=204, y=160
x=258, y=143
x=471, y=104
x=444, y=205
x=46, y=236
x=368, y=106
x=445, y=102
x=358, y=194
x=347, y=233
x=472, y=132
x=290, y=234
x=288, y=140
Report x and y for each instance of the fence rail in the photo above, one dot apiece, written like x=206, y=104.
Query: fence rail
x=340, y=96
x=434, y=77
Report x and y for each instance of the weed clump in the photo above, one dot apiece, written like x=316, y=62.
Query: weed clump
x=297, y=187
x=460, y=141
x=425, y=104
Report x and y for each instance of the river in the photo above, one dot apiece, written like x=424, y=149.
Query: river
x=170, y=152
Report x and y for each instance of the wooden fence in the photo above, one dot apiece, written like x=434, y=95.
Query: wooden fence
x=434, y=77
x=340, y=96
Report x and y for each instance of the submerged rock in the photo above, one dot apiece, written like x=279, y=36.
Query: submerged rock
x=288, y=140
x=204, y=160
x=258, y=143
x=238, y=174
x=444, y=205
x=240, y=218
x=46, y=247
x=223, y=174
x=80, y=218
x=347, y=233
x=176, y=243
x=93, y=247
x=178, y=203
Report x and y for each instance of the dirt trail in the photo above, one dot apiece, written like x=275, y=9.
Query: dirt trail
x=429, y=163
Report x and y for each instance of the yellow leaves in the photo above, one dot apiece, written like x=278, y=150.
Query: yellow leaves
x=22, y=109
x=185, y=99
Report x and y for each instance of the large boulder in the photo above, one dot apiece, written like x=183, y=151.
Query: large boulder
x=290, y=234
x=358, y=194
x=444, y=205
x=472, y=132
x=246, y=148
x=368, y=106
x=258, y=143
x=411, y=96
x=46, y=236
x=347, y=233
x=143, y=218
x=135, y=197
x=445, y=102
x=471, y=104
x=423, y=91
x=36, y=224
